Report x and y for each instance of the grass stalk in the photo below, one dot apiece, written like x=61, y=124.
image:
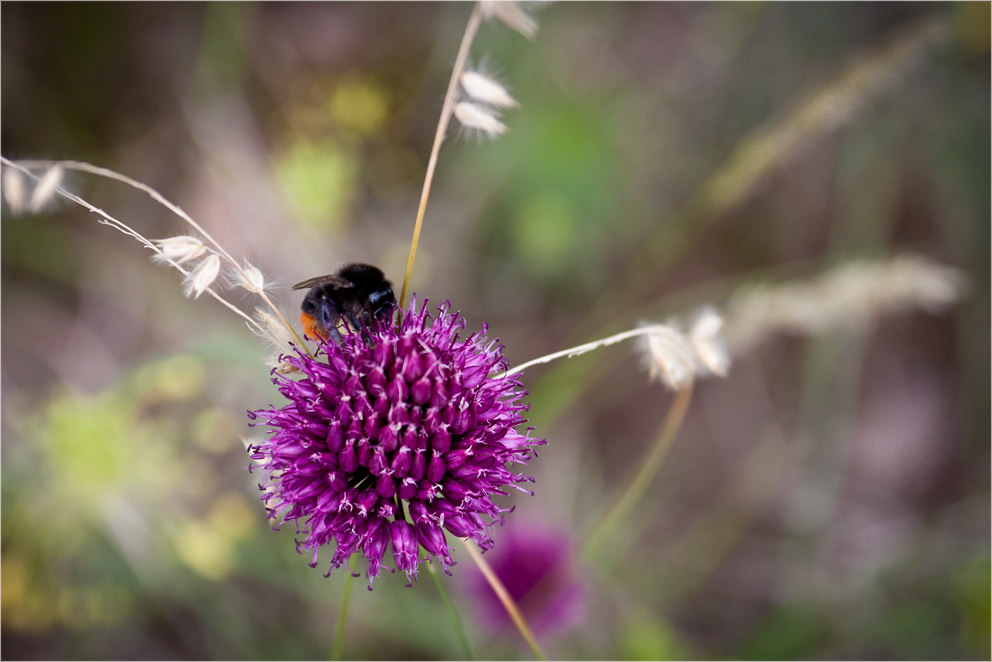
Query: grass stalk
x=442, y=128
x=338, y=646
x=107, y=219
x=582, y=349
x=649, y=468
x=81, y=166
x=456, y=622
x=504, y=597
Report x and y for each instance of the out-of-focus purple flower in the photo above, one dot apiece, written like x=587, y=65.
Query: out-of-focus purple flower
x=535, y=564
x=407, y=413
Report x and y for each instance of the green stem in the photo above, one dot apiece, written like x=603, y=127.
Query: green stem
x=649, y=467
x=456, y=622
x=342, y=618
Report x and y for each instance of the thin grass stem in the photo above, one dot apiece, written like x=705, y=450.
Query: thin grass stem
x=442, y=127
x=107, y=219
x=110, y=221
x=649, y=468
x=504, y=597
x=456, y=622
x=82, y=166
x=582, y=349
x=338, y=647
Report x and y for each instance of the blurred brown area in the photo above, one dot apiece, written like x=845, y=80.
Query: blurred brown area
x=828, y=499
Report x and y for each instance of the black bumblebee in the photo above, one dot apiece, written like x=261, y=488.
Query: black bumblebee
x=356, y=293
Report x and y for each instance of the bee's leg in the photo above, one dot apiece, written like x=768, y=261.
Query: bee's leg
x=361, y=324
x=329, y=316
x=355, y=322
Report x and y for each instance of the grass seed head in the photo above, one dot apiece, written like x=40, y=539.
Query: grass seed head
x=203, y=276
x=46, y=187
x=277, y=333
x=512, y=15
x=849, y=296
x=669, y=356
x=13, y=190
x=179, y=249
x=704, y=335
x=250, y=278
x=476, y=117
x=486, y=90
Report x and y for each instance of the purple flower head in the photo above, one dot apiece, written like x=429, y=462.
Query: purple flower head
x=408, y=413
x=535, y=564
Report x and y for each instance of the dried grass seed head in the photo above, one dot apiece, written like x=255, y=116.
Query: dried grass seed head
x=276, y=332
x=512, y=14
x=45, y=189
x=669, y=356
x=203, y=276
x=13, y=189
x=249, y=277
x=849, y=296
x=704, y=333
x=485, y=89
x=179, y=249
x=676, y=358
x=476, y=117
x=278, y=336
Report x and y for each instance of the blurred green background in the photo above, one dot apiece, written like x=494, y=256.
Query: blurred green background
x=829, y=499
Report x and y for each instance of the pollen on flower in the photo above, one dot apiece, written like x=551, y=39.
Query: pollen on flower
x=410, y=413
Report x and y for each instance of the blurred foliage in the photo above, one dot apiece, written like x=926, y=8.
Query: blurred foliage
x=99, y=466
x=973, y=585
x=787, y=635
x=359, y=106
x=828, y=500
x=645, y=639
x=318, y=182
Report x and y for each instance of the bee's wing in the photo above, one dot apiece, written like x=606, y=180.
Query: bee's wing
x=324, y=280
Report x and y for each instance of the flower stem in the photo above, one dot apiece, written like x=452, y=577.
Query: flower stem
x=582, y=349
x=442, y=128
x=649, y=467
x=342, y=618
x=456, y=622
x=504, y=597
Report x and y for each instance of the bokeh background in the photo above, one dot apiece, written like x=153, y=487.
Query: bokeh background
x=828, y=499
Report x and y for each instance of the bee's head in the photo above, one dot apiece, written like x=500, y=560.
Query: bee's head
x=381, y=299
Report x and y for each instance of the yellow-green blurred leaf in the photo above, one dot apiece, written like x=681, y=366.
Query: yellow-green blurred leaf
x=318, y=182
x=359, y=106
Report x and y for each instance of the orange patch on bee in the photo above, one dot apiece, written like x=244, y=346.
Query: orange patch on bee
x=310, y=327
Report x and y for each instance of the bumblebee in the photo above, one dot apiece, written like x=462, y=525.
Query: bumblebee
x=357, y=293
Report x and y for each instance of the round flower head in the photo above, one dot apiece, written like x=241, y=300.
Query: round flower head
x=408, y=413
x=535, y=563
